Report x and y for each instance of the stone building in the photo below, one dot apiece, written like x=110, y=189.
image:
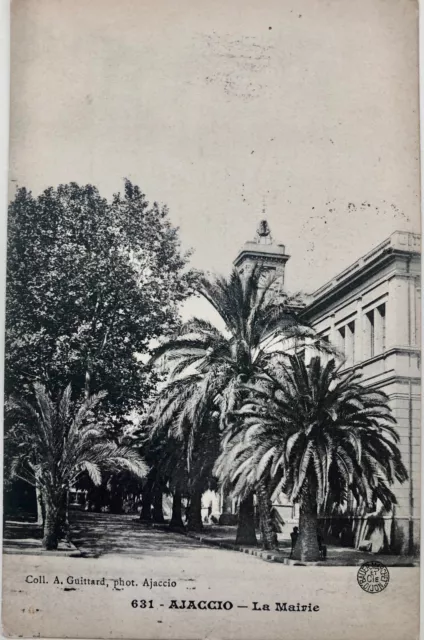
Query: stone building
x=371, y=313
x=262, y=250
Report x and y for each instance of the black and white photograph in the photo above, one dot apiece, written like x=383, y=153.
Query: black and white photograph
x=212, y=410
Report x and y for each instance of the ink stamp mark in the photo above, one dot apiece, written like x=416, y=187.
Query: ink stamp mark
x=373, y=576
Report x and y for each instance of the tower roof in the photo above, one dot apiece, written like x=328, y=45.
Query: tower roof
x=262, y=248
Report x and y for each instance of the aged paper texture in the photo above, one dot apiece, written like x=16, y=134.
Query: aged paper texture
x=212, y=377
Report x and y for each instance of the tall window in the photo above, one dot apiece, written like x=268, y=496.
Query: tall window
x=342, y=340
x=376, y=331
x=381, y=310
x=351, y=343
x=346, y=345
x=371, y=333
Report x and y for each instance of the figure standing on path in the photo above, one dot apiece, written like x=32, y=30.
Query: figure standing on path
x=294, y=535
x=322, y=547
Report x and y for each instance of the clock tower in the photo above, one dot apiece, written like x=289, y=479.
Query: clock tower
x=263, y=251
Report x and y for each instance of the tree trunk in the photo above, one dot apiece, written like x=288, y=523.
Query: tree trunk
x=52, y=522
x=306, y=548
x=87, y=381
x=226, y=517
x=226, y=503
x=176, y=519
x=158, y=505
x=63, y=516
x=194, y=519
x=41, y=514
x=115, y=497
x=146, y=504
x=95, y=498
x=67, y=525
x=268, y=533
x=246, y=522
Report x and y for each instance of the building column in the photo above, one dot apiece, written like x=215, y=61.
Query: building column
x=398, y=313
x=413, y=313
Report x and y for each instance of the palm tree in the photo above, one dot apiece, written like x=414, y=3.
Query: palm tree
x=209, y=366
x=239, y=470
x=320, y=436
x=165, y=455
x=58, y=443
x=184, y=445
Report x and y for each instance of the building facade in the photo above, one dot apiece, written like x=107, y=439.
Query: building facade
x=371, y=313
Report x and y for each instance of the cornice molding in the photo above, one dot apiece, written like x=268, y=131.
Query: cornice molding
x=336, y=290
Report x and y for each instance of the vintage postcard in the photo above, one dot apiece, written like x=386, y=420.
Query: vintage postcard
x=212, y=341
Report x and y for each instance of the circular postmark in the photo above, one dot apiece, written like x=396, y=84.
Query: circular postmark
x=373, y=576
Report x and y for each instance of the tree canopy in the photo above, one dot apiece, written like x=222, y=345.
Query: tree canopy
x=319, y=435
x=208, y=367
x=56, y=443
x=90, y=283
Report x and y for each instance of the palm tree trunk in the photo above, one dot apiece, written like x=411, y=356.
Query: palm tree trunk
x=268, y=533
x=115, y=496
x=67, y=524
x=194, y=519
x=52, y=522
x=226, y=517
x=226, y=504
x=158, y=505
x=246, y=533
x=63, y=516
x=146, y=505
x=306, y=548
x=176, y=519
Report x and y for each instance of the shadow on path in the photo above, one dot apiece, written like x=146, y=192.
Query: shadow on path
x=96, y=534
x=14, y=530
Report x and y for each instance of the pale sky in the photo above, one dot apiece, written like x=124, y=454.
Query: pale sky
x=307, y=109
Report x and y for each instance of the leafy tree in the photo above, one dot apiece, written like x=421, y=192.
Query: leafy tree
x=319, y=435
x=57, y=443
x=90, y=283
